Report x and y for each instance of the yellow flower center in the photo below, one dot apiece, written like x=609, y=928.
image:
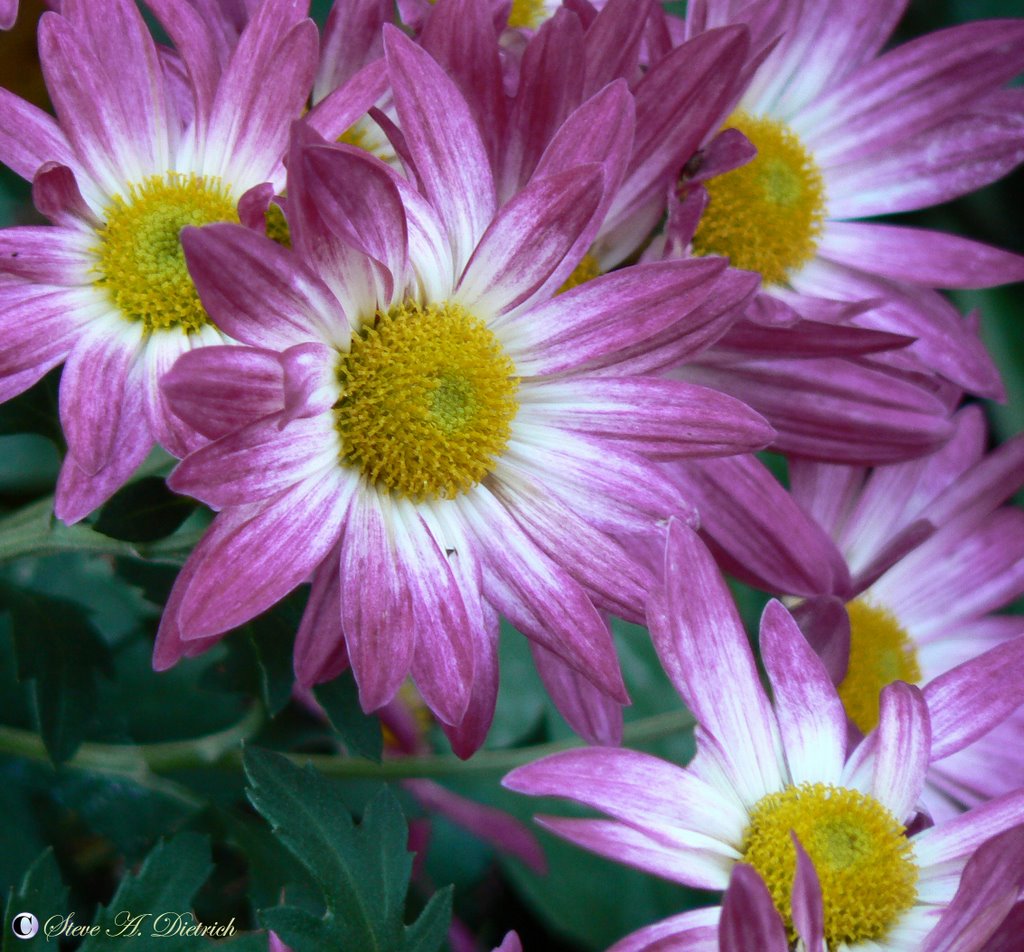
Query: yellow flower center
x=881, y=652
x=766, y=215
x=585, y=271
x=428, y=397
x=863, y=859
x=140, y=261
x=526, y=13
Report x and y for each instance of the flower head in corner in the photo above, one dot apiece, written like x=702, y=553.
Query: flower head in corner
x=772, y=787
x=131, y=160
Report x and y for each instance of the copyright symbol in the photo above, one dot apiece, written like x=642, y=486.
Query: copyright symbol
x=24, y=925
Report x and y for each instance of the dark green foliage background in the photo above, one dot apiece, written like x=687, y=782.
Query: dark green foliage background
x=75, y=638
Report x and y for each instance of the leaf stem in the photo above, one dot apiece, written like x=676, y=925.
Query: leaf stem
x=223, y=751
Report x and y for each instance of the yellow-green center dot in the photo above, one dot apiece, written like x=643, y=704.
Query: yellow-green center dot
x=139, y=259
x=428, y=395
x=862, y=856
x=881, y=652
x=767, y=215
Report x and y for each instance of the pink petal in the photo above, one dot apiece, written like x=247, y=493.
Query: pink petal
x=833, y=409
x=450, y=158
x=258, y=461
x=43, y=254
x=540, y=598
x=622, y=844
x=749, y=920
x=250, y=117
x=376, y=609
x=925, y=257
x=958, y=838
x=913, y=88
x=678, y=419
x=217, y=390
x=586, y=323
x=253, y=564
x=967, y=702
x=29, y=137
x=79, y=492
x=989, y=887
x=259, y=292
x=320, y=653
x=808, y=909
x=56, y=194
x=811, y=717
x=695, y=931
x=589, y=712
x=757, y=529
x=460, y=36
x=662, y=801
x=529, y=238
x=104, y=359
x=442, y=665
x=493, y=826
x=703, y=648
x=903, y=751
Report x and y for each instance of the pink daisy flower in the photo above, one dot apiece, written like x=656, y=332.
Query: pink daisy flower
x=146, y=143
x=844, y=133
x=444, y=451
x=764, y=771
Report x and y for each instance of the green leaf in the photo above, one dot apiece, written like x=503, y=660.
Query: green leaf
x=160, y=892
x=428, y=932
x=144, y=511
x=58, y=649
x=42, y=892
x=363, y=870
x=360, y=732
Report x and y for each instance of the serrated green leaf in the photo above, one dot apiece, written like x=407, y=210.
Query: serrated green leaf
x=43, y=894
x=59, y=651
x=144, y=511
x=360, y=732
x=429, y=930
x=164, y=886
x=363, y=870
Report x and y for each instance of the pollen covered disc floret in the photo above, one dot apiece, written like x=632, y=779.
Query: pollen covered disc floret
x=881, y=652
x=860, y=852
x=428, y=395
x=140, y=262
x=767, y=215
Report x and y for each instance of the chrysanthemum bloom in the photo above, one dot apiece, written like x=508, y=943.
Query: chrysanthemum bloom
x=140, y=151
x=442, y=453
x=922, y=555
x=825, y=406
x=766, y=770
x=842, y=134
x=933, y=555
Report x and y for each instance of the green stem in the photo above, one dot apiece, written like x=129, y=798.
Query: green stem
x=223, y=751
